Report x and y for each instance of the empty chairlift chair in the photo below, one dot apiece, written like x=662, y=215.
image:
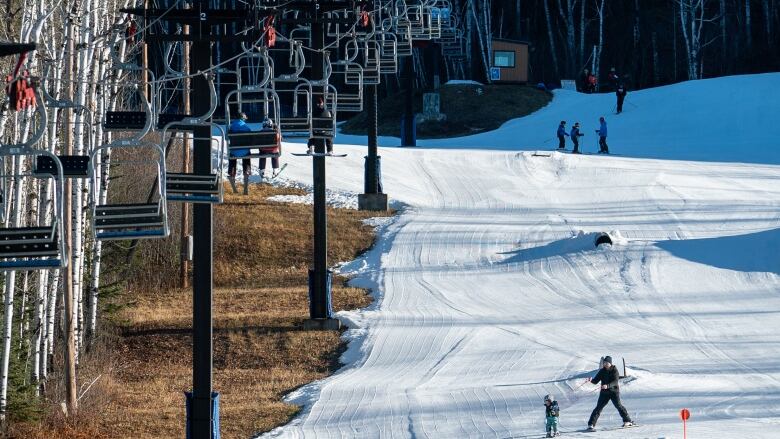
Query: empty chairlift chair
x=347, y=77
x=133, y=161
x=188, y=186
x=73, y=166
x=137, y=110
x=35, y=245
x=293, y=92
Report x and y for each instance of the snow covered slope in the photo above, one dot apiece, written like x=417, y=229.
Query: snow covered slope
x=722, y=119
x=491, y=294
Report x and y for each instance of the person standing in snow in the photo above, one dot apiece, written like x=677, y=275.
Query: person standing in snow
x=583, y=81
x=561, y=133
x=575, y=137
x=621, y=93
x=613, y=78
x=602, y=132
x=609, y=377
x=551, y=413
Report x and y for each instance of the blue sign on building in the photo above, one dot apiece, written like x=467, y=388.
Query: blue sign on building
x=495, y=74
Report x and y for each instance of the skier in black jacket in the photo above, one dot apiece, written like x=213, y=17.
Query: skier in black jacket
x=620, y=92
x=608, y=376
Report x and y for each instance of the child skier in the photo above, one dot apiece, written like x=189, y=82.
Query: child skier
x=551, y=412
x=575, y=137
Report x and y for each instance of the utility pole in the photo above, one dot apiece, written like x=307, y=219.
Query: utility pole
x=70, y=324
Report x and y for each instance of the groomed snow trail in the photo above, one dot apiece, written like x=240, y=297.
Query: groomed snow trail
x=491, y=294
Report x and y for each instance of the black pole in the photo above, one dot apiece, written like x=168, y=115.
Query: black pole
x=372, y=183
x=320, y=292
x=408, y=137
x=201, y=414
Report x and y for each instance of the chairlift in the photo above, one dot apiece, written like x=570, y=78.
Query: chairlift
x=263, y=143
x=129, y=220
x=188, y=186
x=388, y=54
x=371, y=62
x=324, y=126
x=293, y=95
x=348, y=77
x=34, y=246
x=73, y=166
x=138, y=114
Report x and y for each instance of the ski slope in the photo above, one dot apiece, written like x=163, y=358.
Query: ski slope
x=490, y=292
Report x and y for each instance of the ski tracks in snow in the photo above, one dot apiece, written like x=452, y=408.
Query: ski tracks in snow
x=490, y=300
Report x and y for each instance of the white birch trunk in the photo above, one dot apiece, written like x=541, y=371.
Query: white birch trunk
x=551, y=35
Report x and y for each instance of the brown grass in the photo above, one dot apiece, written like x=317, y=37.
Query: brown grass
x=262, y=254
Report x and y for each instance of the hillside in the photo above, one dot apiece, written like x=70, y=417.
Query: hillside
x=491, y=293
x=470, y=108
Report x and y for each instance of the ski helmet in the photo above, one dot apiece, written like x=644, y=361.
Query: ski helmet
x=548, y=398
x=563, y=122
x=608, y=359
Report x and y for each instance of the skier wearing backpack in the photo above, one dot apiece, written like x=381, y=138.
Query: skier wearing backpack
x=575, y=137
x=551, y=413
x=602, y=132
x=609, y=377
x=561, y=133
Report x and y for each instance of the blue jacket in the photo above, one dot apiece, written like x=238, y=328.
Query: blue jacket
x=603, y=129
x=562, y=130
x=575, y=132
x=239, y=126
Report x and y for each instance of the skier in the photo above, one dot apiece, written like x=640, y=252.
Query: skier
x=239, y=126
x=321, y=112
x=621, y=93
x=268, y=125
x=575, y=137
x=561, y=133
x=613, y=78
x=551, y=413
x=609, y=376
x=592, y=82
x=583, y=81
x=602, y=132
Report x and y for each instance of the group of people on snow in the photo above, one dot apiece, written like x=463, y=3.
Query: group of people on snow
x=609, y=377
x=588, y=83
x=576, y=133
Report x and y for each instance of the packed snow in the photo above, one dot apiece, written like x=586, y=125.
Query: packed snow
x=490, y=291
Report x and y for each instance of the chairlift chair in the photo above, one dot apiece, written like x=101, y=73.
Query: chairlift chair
x=403, y=31
x=293, y=93
x=138, y=114
x=73, y=166
x=141, y=220
x=264, y=143
x=188, y=186
x=34, y=246
x=324, y=127
x=371, y=62
x=388, y=54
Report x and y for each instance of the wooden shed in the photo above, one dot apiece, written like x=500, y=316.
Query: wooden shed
x=509, y=62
